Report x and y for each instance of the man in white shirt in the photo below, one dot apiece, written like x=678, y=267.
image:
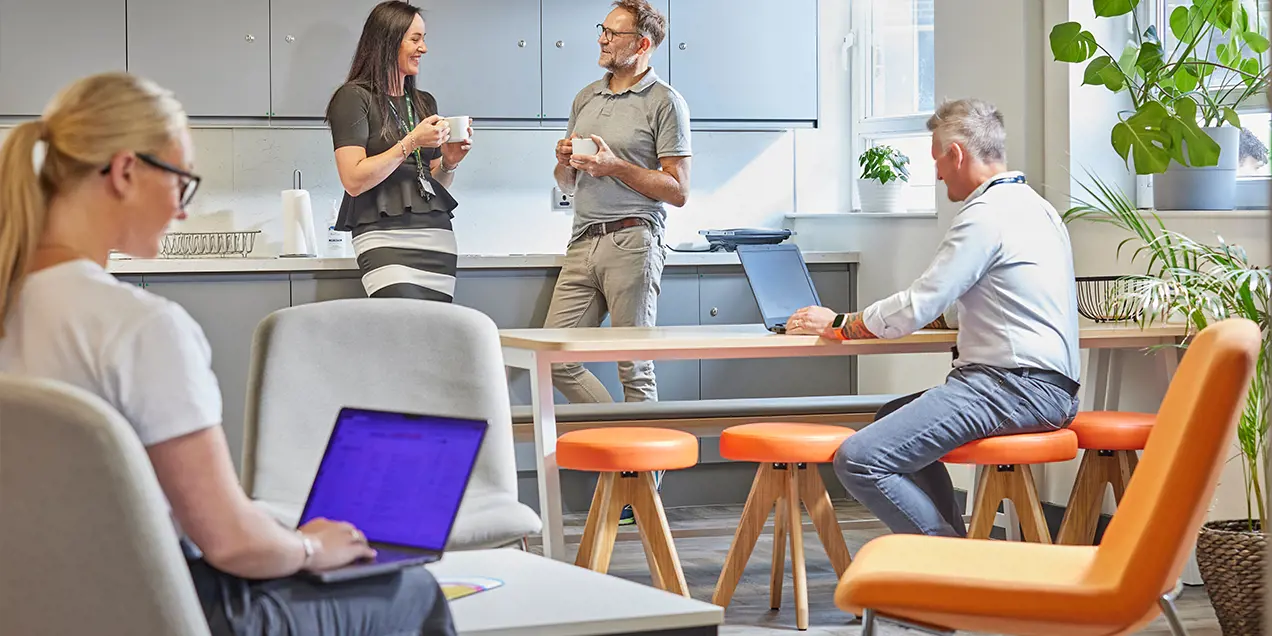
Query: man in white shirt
x=1006, y=267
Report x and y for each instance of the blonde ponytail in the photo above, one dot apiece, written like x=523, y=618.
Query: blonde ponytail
x=84, y=126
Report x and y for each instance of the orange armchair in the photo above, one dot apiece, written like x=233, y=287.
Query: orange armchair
x=945, y=584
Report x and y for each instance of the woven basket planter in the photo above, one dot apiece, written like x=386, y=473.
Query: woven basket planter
x=1232, y=563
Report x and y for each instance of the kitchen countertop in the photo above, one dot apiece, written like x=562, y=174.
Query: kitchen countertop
x=512, y=261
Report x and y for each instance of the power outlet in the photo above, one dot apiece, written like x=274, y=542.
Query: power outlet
x=561, y=201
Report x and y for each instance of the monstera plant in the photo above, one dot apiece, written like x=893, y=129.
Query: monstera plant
x=1178, y=94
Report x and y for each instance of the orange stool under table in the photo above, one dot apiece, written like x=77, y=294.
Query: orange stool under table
x=1006, y=475
x=788, y=455
x=1109, y=440
x=627, y=458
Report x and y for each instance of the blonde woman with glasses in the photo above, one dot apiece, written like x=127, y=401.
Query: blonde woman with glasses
x=107, y=167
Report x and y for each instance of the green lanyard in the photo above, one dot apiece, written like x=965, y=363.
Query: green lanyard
x=410, y=113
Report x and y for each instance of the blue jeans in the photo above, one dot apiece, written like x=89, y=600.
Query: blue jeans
x=893, y=467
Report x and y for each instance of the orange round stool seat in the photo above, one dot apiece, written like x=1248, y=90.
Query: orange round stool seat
x=1022, y=448
x=1113, y=430
x=783, y=442
x=627, y=449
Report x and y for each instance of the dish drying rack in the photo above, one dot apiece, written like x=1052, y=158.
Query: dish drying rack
x=208, y=244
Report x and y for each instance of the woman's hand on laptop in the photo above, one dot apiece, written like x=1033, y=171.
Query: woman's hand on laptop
x=811, y=321
x=335, y=544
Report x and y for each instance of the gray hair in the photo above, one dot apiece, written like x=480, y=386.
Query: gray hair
x=975, y=124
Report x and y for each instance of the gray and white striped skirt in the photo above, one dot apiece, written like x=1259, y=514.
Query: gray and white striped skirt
x=408, y=256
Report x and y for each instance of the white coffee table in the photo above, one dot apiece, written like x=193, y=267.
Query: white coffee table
x=548, y=597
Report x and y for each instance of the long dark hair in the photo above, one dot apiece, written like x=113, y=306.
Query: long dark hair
x=375, y=63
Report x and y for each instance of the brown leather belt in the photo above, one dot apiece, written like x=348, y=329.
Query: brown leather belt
x=601, y=229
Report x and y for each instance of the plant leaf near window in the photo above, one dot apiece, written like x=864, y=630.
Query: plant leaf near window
x=884, y=164
x=1173, y=91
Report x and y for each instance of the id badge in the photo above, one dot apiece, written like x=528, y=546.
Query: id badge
x=426, y=187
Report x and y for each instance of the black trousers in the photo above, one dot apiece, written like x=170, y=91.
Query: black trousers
x=407, y=603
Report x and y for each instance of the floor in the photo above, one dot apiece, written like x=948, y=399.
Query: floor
x=749, y=614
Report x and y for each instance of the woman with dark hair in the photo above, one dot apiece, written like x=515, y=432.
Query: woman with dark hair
x=395, y=160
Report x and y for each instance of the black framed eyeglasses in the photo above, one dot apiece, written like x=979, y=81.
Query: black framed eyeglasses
x=187, y=182
x=607, y=34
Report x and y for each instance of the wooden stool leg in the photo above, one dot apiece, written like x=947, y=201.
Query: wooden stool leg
x=1120, y=475
x=989, y=493
x=795, y=524
x=779, y=557
x=611, y=506
x=812, y=491
x=589, y=527
x=768, y=484
x=1083, y=510
x=651, y=522
x=1023, y=493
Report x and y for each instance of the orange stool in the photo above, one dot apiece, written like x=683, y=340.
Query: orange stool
x=626, y=458
x=1109, y=439
x=1007, y=475
x=788, y=455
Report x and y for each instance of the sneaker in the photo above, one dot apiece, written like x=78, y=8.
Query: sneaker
x=627, y=518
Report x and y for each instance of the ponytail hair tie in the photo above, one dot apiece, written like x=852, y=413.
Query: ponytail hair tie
x=39, y=152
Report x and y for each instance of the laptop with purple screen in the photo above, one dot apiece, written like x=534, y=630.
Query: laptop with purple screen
x=397, y=477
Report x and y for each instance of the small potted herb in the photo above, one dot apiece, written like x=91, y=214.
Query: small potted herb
x=884, y=175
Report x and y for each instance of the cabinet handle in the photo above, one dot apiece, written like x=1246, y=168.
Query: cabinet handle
x=250, y=38
x=521, y=44
x=290, y=39
x=560, y=44
x=684, y=45
x=715, y=311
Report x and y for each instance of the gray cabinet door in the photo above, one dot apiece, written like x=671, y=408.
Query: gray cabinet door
x=228, y=307
x=230, y=75
x=47, y=44
x=781, y=79
x=483, y=58
x=514, y=299
x=571, y=51
x=319, y=287
x=311, y=47
x=727, y=300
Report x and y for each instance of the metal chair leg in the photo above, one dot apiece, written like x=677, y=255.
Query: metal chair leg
x=868, y=623
x=1167, y=602
x=869, y=618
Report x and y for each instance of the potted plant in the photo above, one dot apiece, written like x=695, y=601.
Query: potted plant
x=884, y=174
x=1205, y=283
x=1182, y=126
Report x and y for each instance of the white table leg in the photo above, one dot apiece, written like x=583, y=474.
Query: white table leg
x=545, y=438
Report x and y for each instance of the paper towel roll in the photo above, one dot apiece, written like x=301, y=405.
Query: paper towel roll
x=298, y=224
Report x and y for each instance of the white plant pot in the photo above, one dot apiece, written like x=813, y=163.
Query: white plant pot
x=880, y=197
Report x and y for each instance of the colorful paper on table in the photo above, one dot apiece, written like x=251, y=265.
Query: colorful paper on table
x=459, y=588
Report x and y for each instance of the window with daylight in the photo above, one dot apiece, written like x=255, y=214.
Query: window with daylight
x=894, y=66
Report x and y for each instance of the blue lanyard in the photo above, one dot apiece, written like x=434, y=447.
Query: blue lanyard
x=1020, y=178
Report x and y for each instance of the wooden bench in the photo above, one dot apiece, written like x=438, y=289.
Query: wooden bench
x=708, y=417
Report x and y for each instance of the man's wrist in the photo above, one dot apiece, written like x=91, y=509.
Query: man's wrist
x=854, y=328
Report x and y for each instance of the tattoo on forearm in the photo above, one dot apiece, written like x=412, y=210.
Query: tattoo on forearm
x=939, y=323
x=855, y=328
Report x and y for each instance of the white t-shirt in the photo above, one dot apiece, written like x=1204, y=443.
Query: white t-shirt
x=143, y=354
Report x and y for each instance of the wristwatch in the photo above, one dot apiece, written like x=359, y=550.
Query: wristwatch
x=838, y=324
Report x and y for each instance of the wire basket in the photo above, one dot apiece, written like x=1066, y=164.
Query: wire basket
x=1108, y=299
x=208, y=244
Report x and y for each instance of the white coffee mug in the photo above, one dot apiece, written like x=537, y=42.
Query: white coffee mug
x=583, y=146
x=458, y=128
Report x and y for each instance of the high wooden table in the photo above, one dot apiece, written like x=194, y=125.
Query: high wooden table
x=537, y=349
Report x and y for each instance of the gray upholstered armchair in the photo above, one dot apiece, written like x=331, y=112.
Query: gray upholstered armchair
x=389, y=354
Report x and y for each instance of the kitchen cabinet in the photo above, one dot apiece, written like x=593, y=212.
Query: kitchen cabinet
x=483, y=58
x=726, y=299
x=228, y=307
x=230, y=44
x=311, y=44
x=571, y=51
x=777, y=82
x=48, y=44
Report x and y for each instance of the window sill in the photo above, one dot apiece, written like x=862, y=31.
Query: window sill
x=1208, y=214
x=911, y=214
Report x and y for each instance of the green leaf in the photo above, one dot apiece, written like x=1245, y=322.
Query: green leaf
x=1150, y=34
x=1185, y=23
x=1226, y=53
x=1256, y=42
x=1103, y=72
x=1113, y=8
x=1185, y=80
x=1230, y=116
x=1141, y=138
x=1250, y=66
x=1127, y=61
x=1190, y=145
x=1198, y=67
x=1150, y=57
x=1069, y=43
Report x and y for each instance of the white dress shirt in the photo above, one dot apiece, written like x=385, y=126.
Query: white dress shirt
x=1006, y=268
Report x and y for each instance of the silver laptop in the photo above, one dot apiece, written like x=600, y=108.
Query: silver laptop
x=779, y=280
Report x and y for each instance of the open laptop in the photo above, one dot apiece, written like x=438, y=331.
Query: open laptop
x=397, y=477
x=780, y=281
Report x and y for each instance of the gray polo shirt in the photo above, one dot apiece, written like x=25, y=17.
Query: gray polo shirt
x=641, y=125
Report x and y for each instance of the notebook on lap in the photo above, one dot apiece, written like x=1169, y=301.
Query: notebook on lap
x=397, y=477
x=779, y=280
